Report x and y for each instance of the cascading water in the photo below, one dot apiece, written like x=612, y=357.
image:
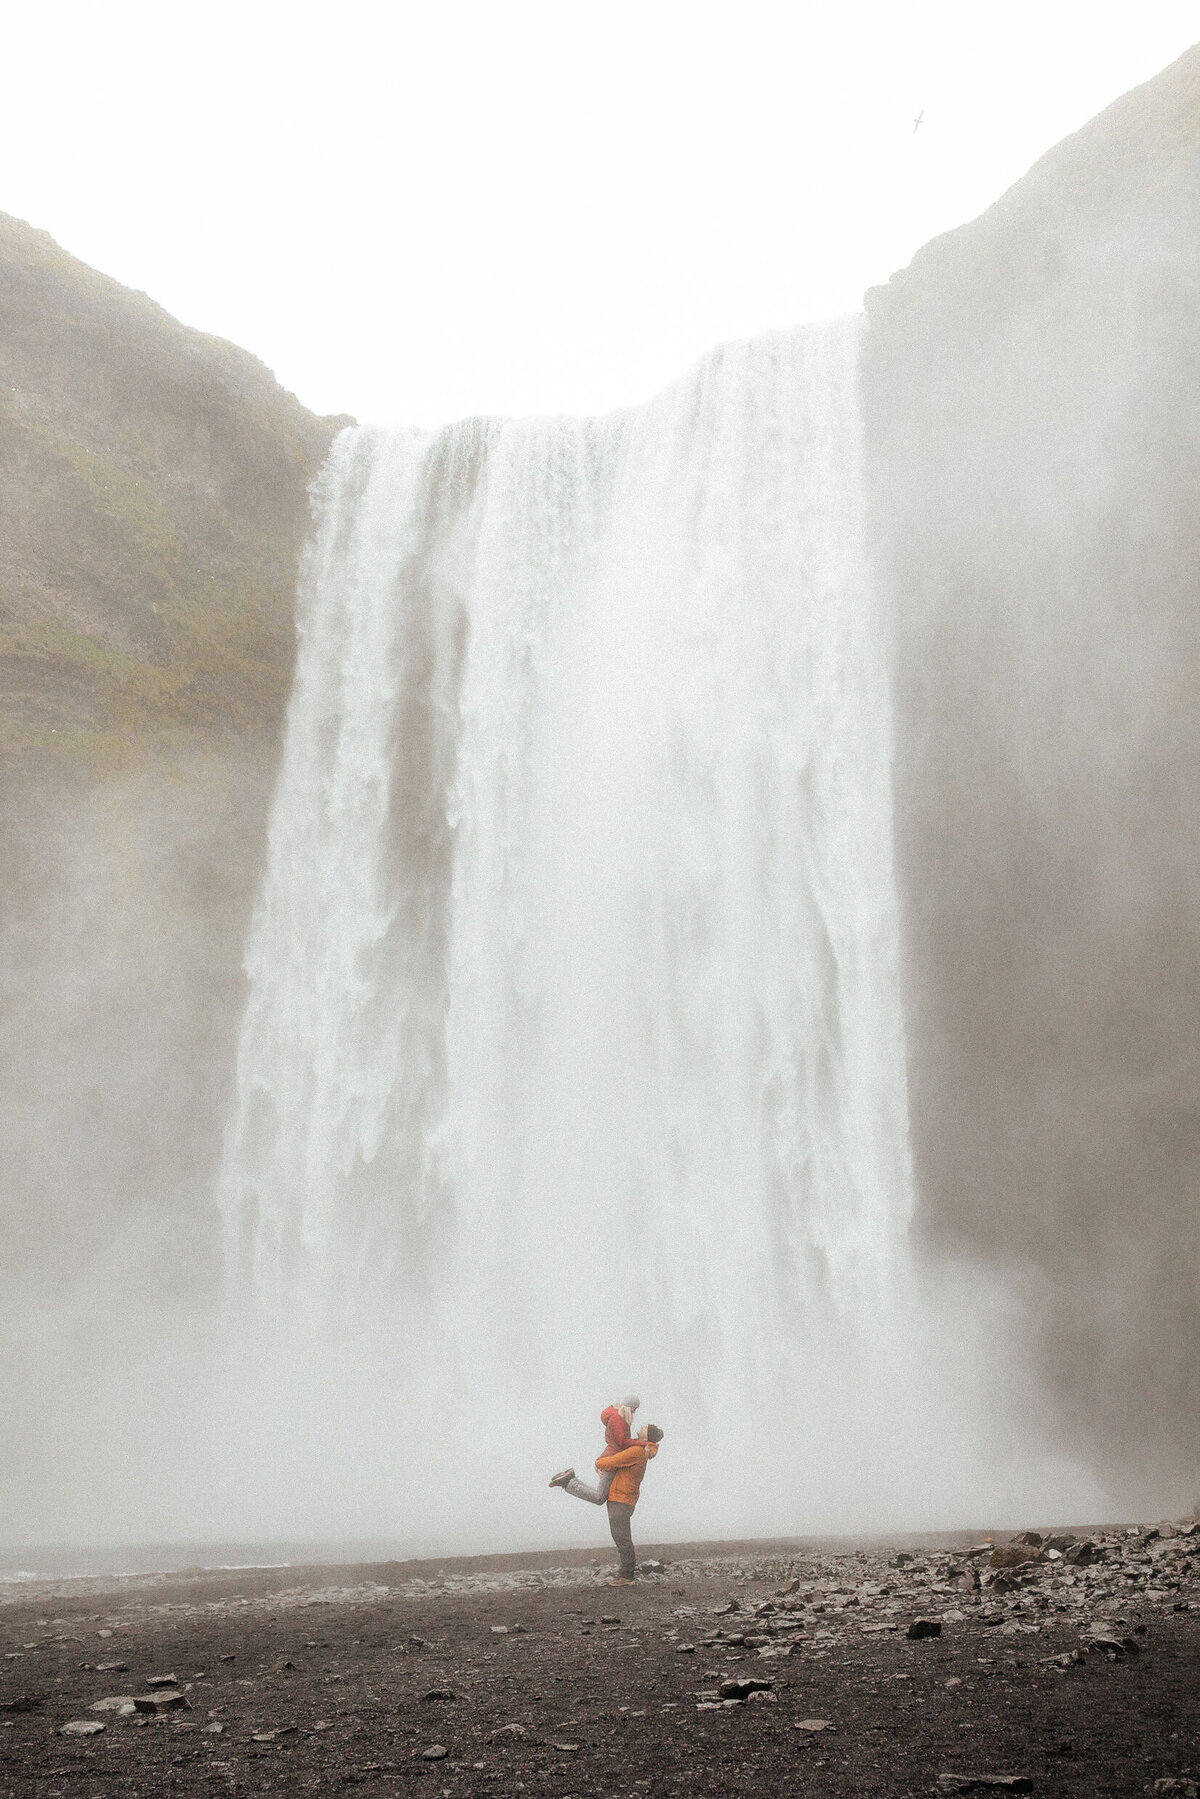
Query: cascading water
x=573, y=1058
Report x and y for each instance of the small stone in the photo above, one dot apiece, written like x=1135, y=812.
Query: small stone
x=969, y=1783
x=762, y=1696
x=567, y=1748
x=119, y=1702
x=215, y=1730
x=813, y=1724
x=104, y=1633
x=163, y=1701
x=81, y=1727
x=112, y=1667
x=436, y=1752
x=24, y=1702
x=286, y=1667
x=228, y=1658
x=437, y=1693
x=499, y=1630
x=163, y=1680
x=740, y=1690
x=921, y=1628
x=685, y=1649
x=322, y=1724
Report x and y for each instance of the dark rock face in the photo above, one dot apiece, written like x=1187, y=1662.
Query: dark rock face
x=1033, y=401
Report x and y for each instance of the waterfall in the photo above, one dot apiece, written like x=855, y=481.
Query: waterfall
x=573, y=1057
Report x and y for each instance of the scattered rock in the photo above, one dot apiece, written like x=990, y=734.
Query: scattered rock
x=740, y=1690
x=924, y=1627
x=81, y=1727
x=436, y=1752
x=812, y=1724
x=24, y=1702
x=163, y=1680
x=112, y=1667
x=685, y=1649
x=120, y=1702
x=567, y=1748
x=969, y=1783
x=437, y=1693
x=499, y=1630
x=168, y=1700
x=214, y=1729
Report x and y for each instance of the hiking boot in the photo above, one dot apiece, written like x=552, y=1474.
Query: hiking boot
x=619, y=1580
x=560, y=1480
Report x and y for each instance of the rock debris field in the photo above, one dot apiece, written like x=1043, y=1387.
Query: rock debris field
x=1065, y=1664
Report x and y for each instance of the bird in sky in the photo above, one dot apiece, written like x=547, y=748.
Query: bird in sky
x=917, y=121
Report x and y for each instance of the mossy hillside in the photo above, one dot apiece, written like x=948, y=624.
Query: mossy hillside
x=151, y=514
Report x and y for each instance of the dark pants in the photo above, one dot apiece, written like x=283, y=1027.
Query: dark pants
x=618, y=1523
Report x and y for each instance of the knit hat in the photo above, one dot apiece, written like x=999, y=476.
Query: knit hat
x=630, y=1404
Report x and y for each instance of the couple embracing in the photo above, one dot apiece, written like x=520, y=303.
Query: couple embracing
x=620, y=1467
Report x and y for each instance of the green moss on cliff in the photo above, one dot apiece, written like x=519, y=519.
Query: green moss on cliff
x=150, y=521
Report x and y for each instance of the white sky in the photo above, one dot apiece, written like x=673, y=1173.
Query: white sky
x=415, y=211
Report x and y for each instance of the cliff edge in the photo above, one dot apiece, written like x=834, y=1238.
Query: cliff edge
x=151, y=514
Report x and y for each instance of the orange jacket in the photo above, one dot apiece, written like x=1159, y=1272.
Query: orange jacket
x=627, y=1469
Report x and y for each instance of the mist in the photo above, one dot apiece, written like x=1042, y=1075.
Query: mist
x=720, y=920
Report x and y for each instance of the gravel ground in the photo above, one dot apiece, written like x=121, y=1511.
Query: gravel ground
x=1070, y=1665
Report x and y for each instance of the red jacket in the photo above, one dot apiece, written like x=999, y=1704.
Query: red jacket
x=617, y=1434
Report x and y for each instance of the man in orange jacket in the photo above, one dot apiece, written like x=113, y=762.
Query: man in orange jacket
x=627, y=1468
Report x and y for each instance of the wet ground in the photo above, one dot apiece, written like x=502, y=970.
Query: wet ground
x=1070, y=1670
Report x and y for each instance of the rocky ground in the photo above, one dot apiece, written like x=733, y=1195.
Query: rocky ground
x=1060, y=1666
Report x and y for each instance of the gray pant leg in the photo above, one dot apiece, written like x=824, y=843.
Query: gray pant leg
x=597, y=1495
x=619, y=1517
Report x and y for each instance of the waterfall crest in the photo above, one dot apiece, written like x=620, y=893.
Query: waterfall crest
x=573, y=1058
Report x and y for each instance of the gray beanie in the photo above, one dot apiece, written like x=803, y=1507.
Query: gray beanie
x=633, y=1402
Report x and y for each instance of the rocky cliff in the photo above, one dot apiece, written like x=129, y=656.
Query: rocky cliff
x=1033, y=393
x=152, y=506
x=153, y=500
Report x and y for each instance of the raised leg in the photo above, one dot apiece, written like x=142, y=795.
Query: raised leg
x=581, y=1490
